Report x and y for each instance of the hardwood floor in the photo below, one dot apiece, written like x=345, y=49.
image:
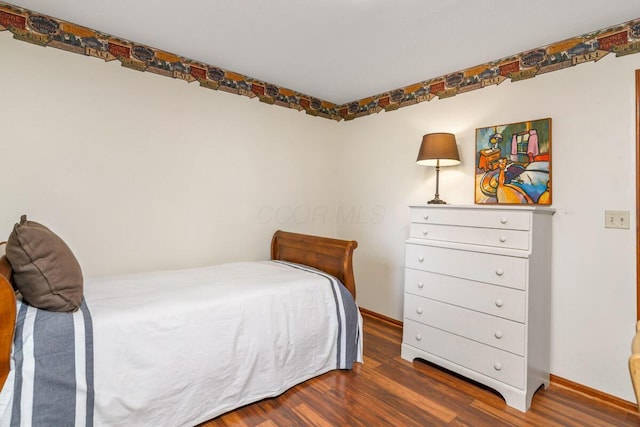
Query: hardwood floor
x=389, y=391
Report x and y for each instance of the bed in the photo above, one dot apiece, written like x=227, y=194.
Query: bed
x=181, y=347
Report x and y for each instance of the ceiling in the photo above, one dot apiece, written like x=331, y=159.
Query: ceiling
x=342, y=50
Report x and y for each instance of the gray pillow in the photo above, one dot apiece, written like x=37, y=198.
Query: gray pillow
x=45, y=271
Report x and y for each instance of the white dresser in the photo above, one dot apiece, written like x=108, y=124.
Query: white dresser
x=477, y=294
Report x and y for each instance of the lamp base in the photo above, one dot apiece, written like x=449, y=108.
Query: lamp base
x=436, y=201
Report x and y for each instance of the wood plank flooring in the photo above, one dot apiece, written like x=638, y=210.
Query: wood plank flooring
x=389, y=391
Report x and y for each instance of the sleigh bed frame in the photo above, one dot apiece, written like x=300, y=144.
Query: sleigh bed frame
x=332, y=256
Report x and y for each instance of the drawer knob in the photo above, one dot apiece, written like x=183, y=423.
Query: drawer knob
x=419, y=310
x=425, y=231
x=499, y=302
x=420, y=258
x=498, y=334
x=497, y=366
x=503, y=220
x=418, y=337
x=426, y=216
x=503, y=239
x=420, y=285
x=499, y=272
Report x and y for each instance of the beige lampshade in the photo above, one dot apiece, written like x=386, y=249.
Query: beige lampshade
x=438, y=147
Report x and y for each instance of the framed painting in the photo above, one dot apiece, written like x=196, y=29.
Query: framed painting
x=513, y=163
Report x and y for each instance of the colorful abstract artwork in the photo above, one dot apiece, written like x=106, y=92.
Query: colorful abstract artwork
x=513, y=163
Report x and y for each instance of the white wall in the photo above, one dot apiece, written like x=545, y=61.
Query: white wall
x=139, y=172
x=593, y=136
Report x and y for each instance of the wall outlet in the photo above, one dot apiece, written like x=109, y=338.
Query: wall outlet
x=616, y=219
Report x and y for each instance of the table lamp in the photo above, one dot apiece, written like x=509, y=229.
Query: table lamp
x=438, y=149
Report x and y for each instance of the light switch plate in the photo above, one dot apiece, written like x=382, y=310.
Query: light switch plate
x=616, y=219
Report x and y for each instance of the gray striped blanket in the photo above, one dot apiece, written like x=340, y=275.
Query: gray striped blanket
x=52, y=380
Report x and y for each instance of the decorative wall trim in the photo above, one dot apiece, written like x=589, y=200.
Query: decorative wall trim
x=623, y=39
x=42, y=30
x=47, y=31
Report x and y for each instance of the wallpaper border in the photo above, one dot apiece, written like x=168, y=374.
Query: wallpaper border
x=43, y=30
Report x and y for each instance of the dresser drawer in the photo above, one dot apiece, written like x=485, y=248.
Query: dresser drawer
x=494, y=331
x=498, y=364
x=514, y=239
x=472, y=218
x=491, y=299
x=490, y=268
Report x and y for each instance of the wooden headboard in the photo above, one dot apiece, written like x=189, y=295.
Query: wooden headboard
x=7, y=318
x=332, y=256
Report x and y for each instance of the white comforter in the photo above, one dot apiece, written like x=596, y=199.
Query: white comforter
x=226, y=336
